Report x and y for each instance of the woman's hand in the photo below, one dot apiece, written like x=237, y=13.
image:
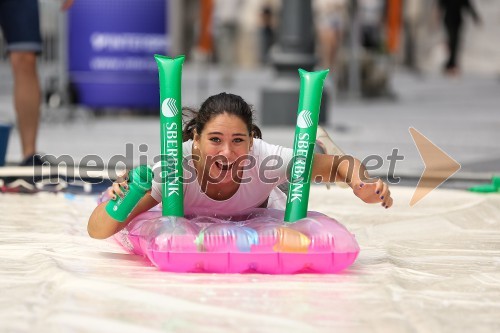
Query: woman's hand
x=373, y=192
x=118, y=186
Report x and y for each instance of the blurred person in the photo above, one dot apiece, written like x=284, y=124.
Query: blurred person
x=225, y=31
x=330, y=18
x=375, y=61
x=266, y=33
x=19, y=21
x=191, y=36
x=204, y=45
x=413, y=13
x=372, y=21
x=393, y=24
x=452, y=16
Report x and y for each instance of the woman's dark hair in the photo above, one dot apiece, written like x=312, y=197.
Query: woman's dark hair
x=216, y=105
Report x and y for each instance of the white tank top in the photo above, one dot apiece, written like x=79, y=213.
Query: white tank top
x=264, y=177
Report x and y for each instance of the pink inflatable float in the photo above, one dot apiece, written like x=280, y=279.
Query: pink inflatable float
x=256, y=242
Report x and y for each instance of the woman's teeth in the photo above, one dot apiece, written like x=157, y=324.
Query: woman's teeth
x=223, y=166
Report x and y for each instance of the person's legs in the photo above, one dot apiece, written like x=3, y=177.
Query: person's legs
x=327, y=44
x=27, y=98
x=453, y=32
x=454, y=47
x=20, y=25
x=227, y=34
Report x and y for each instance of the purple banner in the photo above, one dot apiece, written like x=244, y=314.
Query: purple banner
x=111, y=46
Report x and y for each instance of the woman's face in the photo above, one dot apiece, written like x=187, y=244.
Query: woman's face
x=224, y=141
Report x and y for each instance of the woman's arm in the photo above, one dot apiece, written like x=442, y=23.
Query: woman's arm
x=101, y=225
x=348, y=169
x=332, y=168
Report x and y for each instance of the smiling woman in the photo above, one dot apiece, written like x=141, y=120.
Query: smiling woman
x=222, y=136
x=223, y=150
x=229, y=169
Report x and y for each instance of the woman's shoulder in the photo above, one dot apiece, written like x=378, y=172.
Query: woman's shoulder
x=187, y=147
x=259, y=143
x=263, y=147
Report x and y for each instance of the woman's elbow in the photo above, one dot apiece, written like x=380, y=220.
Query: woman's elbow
x=99, y=226
x=96, y=233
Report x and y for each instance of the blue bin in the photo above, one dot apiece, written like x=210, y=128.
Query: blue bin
x=4, y=141
x=111, y=44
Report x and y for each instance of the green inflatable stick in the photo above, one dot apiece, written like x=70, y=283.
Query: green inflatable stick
x=140, y=182
x=170, y=71
x=493, y=187
x=311, y=89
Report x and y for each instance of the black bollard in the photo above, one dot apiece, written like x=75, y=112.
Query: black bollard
x=294, y=50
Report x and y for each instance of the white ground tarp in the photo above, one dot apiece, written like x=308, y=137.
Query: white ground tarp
x=431, y=268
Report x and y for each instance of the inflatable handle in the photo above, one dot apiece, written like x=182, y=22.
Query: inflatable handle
x=311, y=89
x=170, y=73
x=140, y=181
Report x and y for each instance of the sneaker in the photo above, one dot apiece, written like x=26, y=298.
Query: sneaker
x=18, y=186
x=33, y=160
x=325, y=145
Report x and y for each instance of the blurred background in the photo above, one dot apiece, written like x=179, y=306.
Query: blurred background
x=389, y=66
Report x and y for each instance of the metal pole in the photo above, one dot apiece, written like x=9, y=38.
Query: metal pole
x=354, y=86
x=62, y=50
x=295, y=38
x=174, y=14
x=294, y=50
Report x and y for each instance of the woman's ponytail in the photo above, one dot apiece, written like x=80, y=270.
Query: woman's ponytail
x=190, y=126
x=256, y=132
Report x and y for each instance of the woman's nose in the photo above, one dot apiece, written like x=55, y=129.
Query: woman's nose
x=226, y=150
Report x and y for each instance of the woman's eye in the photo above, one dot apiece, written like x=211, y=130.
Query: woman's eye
x=238, y=140
x=215, y=140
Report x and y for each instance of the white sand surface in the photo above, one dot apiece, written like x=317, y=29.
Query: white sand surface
x=431, y=268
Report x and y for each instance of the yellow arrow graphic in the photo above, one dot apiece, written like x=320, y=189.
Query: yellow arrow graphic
x=439, y=166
